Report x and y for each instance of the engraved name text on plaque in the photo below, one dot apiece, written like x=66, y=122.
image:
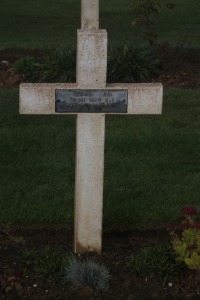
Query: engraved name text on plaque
x=91, y=101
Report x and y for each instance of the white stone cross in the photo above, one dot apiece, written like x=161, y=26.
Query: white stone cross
x=90, y=128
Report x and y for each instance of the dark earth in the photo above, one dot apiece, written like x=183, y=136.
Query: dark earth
x=17, y=279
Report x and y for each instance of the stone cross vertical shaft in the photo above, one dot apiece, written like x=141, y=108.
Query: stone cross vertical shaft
x=91, y=99
x=90, y=132
x=89, y=14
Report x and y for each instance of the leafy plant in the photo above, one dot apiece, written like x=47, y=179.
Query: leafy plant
x=126, y=64
x=154, y=261
x=143, y=10
x=59, y=66
x=186, y=243
x=87, y=273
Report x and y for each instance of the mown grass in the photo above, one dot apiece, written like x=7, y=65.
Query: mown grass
x=152, y=163
x=47, y=24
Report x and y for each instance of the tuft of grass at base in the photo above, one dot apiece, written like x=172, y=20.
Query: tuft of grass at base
x=152, y=163
x=156, y=261
x=46, y=264
x=86, y=273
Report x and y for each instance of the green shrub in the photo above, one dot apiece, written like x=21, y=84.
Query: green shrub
x=126, y=64
x=154, y=261
x=87, y=273
x=28, y=66
x=59, y=67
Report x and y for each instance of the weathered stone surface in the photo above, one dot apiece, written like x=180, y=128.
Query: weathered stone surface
x=89, y=14
x=39, y=98
x=91, y=59
x=90, y=129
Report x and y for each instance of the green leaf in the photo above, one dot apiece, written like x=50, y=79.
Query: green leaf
x=189, y=263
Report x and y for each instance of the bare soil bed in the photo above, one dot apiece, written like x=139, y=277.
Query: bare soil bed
x=17, y=281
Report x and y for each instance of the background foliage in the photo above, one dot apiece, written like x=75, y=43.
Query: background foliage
x=46, y=24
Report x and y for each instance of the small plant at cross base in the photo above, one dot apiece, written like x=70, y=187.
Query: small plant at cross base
x=155, y=261
x=86, y=273
x=185, y=238
x=46, y=264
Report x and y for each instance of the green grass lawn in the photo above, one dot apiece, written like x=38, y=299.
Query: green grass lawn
x=152, y=163
x=47, y=24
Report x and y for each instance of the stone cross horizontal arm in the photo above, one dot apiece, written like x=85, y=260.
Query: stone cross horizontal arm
x=39, y=98
x=91, y=70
